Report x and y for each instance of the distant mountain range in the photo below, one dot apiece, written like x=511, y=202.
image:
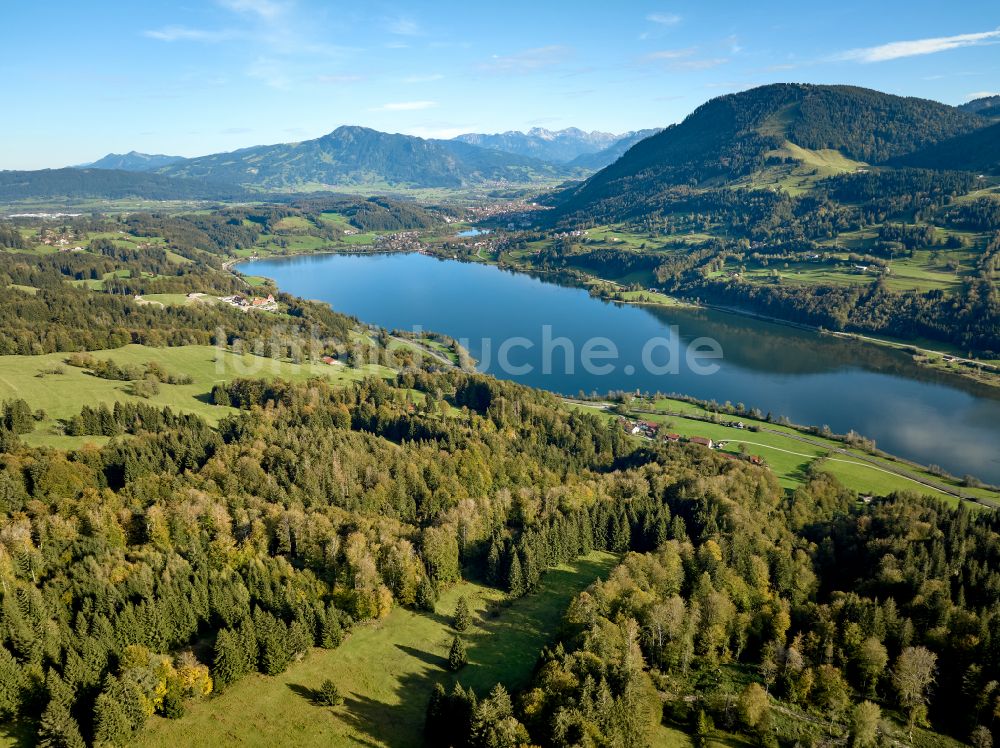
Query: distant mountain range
x=359, y=156
x=736, y=137
x=572, y=147
x=132, y=161
x=557, y=146
x=762, y=137
x=606, y=157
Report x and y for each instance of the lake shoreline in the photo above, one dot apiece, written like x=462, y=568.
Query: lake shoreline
x=988, y=374
x=780, y=371
x=928, y=358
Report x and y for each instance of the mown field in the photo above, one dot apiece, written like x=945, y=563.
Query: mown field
x=61, y=395
x=385, y=672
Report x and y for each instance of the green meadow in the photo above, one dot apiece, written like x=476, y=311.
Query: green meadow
x=790, y=458
x=62, y=394
x=386, y=671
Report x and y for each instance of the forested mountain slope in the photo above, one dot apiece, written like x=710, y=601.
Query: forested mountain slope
x=733, y=136
x=977, y=151
x=110, y=184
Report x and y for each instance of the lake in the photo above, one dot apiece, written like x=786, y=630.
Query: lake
x=561, y=339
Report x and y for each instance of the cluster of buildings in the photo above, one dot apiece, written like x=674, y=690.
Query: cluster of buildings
x=403, y=241
x=253, y=302
x=651, y=430
x=517, y=212
x=63, y=243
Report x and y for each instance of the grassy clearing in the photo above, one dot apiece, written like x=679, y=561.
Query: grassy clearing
x=293, y=223
x=859, y=476
x=911, y=274
x=178, y=299
x=802, y=170
x=386, y=672
x=62, y=395
x=256, y=281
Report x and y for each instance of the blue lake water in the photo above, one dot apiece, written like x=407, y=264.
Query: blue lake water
x=536, y=332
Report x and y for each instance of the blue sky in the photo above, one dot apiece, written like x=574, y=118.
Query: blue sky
x=188, y=78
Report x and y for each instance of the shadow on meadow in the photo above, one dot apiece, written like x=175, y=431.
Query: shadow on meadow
x=502, y=649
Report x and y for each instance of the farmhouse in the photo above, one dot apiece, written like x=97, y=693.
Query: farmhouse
x=702, y=440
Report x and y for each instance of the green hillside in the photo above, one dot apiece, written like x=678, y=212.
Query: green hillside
x=111, y=184
x=738, y=135
x=977, y=151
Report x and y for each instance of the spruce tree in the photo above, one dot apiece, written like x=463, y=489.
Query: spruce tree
x=529, y=569
x=493, y=563
x=463, y=617
x=426, y=595
x=112, y=726
x=435, y=722
x=457, y=656
x=229, y=663
x=332, y=634
x=328, y=694
x=515, y=578
x=11, y=684
x=57, y=727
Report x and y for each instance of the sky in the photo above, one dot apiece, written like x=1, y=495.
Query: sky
x=194, y=77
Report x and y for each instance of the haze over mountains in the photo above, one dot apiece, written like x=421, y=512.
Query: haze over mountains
x=762, y=137
x=132, y=161
x=559, y=146
x=352, y=156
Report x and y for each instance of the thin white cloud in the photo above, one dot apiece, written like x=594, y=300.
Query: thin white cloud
x=664, y=19
x=669, y=54
x=693, y=65
x=528, y=60
x=271, y=72
x=340, y=78
x=268, y=9
x=680, y=60
x=897, y=50
x=185, y=34
x=404, y=27
x=430, y=78
x=981, y=95
x=405, y=106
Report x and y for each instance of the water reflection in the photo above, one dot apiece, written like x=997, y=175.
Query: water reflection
x=918, y=413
